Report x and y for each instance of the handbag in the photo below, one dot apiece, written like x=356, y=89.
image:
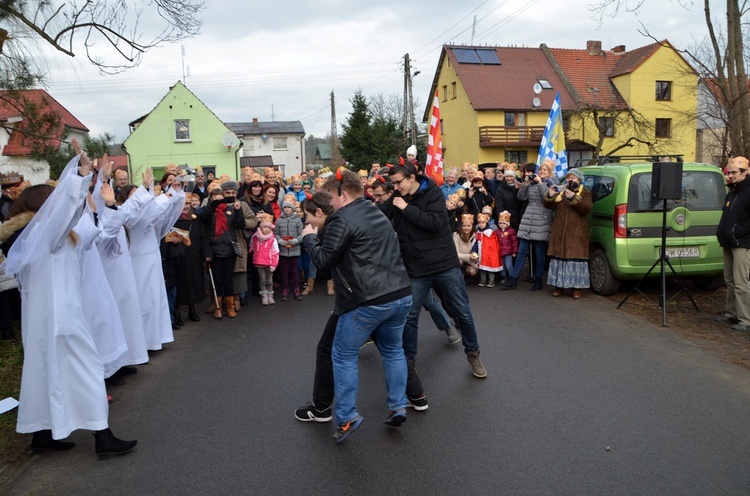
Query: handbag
x=237, y=249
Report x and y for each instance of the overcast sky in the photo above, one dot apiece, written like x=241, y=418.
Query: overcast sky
x=281, y=60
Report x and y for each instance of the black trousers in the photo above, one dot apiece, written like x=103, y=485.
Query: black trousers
x=223, y=270
x=323, y=391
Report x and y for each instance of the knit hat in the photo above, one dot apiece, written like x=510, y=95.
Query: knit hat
x=504, y=216
x=509, y=172
x=412, y=150
x=576, y=173
x=289, y=204
x=227, y=185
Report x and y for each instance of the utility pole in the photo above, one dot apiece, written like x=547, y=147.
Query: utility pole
x=408, y=124
x=335, y=154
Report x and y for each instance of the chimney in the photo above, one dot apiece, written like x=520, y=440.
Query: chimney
x=255, y=121
x=594, y=47
x=619, y=49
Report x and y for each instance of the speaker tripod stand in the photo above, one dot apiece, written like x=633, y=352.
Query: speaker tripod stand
x=661, y=261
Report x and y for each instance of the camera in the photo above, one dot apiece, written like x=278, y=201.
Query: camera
x=572, y=185
x=531, y=176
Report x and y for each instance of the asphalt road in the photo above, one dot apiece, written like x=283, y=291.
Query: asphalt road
x=580, y=399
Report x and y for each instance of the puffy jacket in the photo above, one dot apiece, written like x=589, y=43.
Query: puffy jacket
x=506, y=198
x=289, y=232
x=423, y=231
x=361, y=249
x=536, y=222
x=221, y=246
x=733, y=230
x=265, y=253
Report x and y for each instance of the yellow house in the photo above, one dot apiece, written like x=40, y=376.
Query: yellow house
x=494, y=101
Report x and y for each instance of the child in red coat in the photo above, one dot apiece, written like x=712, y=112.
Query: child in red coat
x=487, y=249
x=508, y=242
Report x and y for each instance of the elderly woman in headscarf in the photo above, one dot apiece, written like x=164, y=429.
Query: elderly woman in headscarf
x=569, y=240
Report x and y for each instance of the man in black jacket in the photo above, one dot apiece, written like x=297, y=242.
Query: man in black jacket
x=417, y=210
x=373, y=296
x=733, y=234
x=506, y=198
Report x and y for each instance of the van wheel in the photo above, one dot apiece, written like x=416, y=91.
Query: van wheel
x=602, y=281
x=708, y=283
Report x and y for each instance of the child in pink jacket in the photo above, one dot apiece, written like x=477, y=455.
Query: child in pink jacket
x=265, y=251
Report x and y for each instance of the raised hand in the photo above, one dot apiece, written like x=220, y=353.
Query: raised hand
x=105, y=171
x=148, y=178
x=108, y=194
x=85, y=167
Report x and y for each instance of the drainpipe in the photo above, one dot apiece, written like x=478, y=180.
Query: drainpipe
x=237, y=161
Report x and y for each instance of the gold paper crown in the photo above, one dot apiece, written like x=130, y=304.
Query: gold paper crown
x=467, y=219
x=483, y=218
x=504, y=216
x=324, y=170
x=266, y=217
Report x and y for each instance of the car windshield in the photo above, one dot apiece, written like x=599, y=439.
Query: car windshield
x=701, y=190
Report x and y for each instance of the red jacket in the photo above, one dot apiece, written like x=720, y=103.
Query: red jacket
x=508, y=241
x=265, y=253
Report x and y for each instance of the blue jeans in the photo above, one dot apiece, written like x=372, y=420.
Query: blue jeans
x=507, y=265
x=171, y=300
x=439, y=317
x=386, y=321
x=540, y=256
x=453, y=292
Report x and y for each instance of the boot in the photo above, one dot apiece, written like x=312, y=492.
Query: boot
x=297, y=295
x=537, y=284
x=42, y=440
x=264, y=298
x=329, y=287
x=177, y=318
x=309, y=288
x=482, y=279
x=510, y=284
x=107, y=444
x=269, y=293
x=491, y=280
x=212, y=308
x=192, y=316
x=237, y=303
x=229, y=303
x=217, y=308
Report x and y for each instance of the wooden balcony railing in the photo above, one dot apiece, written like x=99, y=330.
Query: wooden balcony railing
x=510, y=135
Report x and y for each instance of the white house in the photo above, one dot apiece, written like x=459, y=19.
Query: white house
x=279, y=143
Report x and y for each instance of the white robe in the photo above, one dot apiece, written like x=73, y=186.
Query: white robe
x=150, y=224
x=118, y=269
x=62, y=384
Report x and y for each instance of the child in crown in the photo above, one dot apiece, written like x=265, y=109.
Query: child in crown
x=508, y=242
x=487, y=250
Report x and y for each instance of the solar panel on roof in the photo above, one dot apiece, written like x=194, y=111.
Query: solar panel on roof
x=488, y=57
x=466, y=56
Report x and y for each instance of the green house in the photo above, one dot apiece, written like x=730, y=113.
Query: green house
x=181, y=130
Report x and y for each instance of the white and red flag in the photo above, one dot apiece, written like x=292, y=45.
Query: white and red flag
x=434, y=163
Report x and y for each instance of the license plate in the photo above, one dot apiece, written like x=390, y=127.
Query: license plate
x=684, y=252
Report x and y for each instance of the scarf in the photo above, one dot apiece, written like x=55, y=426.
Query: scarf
x=263, y=237
x=561, y=194
x=221, y=220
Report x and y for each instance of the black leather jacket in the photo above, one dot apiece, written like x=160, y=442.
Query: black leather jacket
x=733, y=230
x=361, y=249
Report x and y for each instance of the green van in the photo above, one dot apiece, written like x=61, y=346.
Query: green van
x=625, y=225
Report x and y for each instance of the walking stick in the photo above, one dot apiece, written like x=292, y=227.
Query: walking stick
x=213, y=286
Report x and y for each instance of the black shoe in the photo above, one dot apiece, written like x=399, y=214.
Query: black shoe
x=192, y=316
x=243, y=301
x=42, y=440
x=311, y=414
x=177, y=319
x=395, y=419
x=175, y=327
x=419, y=404
x=126, y=371
x=107, y=444
x=537, y=284
x=529, y=278
x=511, y=283
x=114, y=380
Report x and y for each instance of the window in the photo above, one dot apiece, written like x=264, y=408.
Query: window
x=663, y=128
x=663, y=90
x=545, y=84
x=486, y=56
x=248, y=144
x=517, y=157
x=445, y=93
x=181, y=130
x=280, y=144
x=442, y=128
x=510, y=118
x=454, y=90
x=607, y=126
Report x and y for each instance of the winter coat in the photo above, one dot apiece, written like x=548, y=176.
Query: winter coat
x=463, y=249
x=265, y=253
x=288, y=233
x=449, y=190
x=570, y=228
x=508, y=241
x=487, y=246
x=243, y=234
x=423, y=231
x=536, y=222
x=221, y=246
x=506, y=198
x=190, y=268
x=477, y=201
x=733, y=230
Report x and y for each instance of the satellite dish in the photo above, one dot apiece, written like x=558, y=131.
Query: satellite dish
x=537, y=88
x=537, y=102
x=229, y=140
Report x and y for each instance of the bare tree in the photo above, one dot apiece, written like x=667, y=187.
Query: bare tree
x=110, y=31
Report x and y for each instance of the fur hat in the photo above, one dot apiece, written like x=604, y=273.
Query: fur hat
x=467, y=219
x=227, y=185
x=504, y=216
x=412, y=150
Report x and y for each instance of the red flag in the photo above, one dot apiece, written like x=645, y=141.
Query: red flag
x=434, y=164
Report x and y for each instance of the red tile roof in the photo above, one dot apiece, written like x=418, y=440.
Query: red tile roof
x=11, y=105
x=632, y=60
x=509, y=85
x=589, y=76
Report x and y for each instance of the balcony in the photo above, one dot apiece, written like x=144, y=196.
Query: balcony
x=530, y=136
